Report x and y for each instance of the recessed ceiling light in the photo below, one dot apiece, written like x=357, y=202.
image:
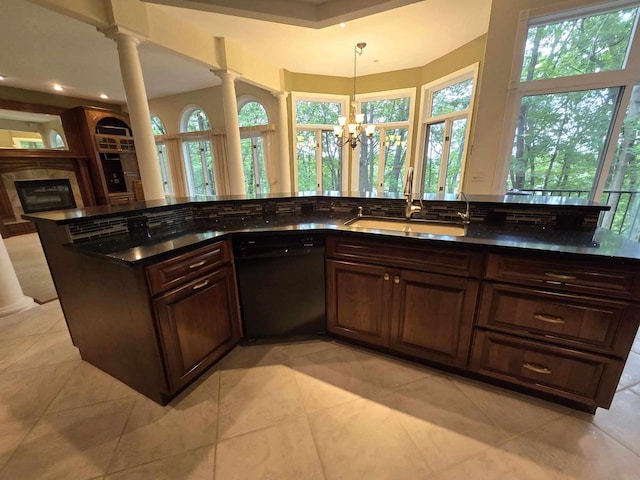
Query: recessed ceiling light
x=342, y=25
x=2, y=77
x=57, y=87
x=103, y=96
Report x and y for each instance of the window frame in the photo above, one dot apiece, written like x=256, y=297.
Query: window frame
x=200, y=136
x=343, y=101
x=626, y=78
x=383, y=127
x=426, y=103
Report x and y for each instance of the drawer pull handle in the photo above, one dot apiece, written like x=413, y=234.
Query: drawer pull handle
x=197, y=264
x=396, y=279
x=536, y=368
x=200, y=285
x=386, y=276
x=548, y=318
x=559, y=276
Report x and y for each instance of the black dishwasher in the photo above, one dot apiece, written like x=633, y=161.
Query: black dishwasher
x=281, y=284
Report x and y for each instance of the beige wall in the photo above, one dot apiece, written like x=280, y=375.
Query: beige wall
x=485, y=167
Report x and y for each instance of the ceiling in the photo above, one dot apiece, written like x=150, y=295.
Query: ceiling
x=41, y=47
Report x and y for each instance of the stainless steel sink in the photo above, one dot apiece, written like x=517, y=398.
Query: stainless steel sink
x=408, y=226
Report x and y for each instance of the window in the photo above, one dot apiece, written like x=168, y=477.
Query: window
x=319, y=158
x=56, y=141
x=575, y=107
x=446, y=110
x=252, y=142
x=158, y=129
x=383, y=158
x=198, y=154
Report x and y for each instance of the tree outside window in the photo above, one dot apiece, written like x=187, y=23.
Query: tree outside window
x=198, y=154
x=383, y=158
x=319, y=156
x=252, y=144
x=446, y=109
x=574, y=90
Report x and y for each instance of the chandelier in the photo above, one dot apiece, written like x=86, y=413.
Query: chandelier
x=351, y=130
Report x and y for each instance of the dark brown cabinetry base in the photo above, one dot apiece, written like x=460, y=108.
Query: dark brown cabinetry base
x=414, y=312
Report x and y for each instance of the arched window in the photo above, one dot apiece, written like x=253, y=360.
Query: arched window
x=253, y=114
x=197, y=153
x=56, y=141
x=158, y=129
x=157, y=126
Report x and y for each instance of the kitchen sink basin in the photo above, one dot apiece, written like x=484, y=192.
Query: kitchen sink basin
x=408, y=226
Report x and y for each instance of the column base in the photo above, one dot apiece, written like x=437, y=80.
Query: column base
x=24, y=303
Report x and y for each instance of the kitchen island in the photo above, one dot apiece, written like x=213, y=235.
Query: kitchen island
x=534, y=296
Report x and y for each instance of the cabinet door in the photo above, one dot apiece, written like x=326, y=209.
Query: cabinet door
x=358, y=300
x=432, y=316
x=198, y=323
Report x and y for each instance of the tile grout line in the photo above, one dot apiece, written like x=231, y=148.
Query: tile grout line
x=215, y=454
x=619, y=442
x=38, y=420
x=124, y=427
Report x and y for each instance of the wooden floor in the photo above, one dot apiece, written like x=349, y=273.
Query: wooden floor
x=31, y=267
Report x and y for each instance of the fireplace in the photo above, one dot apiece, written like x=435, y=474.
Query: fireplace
x=39, y=195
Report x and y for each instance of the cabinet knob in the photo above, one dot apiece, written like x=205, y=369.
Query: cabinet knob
x=396, y=279
x=386, y=276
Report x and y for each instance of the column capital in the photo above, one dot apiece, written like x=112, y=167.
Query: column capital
x=116, y=32
x=279, y=95
x=226, y=74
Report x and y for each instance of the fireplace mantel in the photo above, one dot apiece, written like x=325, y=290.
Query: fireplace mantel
x=44, y=164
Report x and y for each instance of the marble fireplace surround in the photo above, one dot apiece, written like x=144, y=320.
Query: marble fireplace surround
x=9, y=178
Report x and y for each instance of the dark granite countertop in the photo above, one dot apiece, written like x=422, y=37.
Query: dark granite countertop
x=600, y=244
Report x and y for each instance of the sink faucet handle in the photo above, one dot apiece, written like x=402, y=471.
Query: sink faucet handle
x=360, y=211
x=408, y=184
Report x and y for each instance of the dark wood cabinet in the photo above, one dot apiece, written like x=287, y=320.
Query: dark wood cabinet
x=433, y=316
x=358, y=301
x=106, y=137
x=556, y=325
x=198, y=323
x=420, y=313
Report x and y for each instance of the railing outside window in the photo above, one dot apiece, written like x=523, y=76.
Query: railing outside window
x=624, y=216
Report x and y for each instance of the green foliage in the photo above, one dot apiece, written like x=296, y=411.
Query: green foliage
x=252, y=113
x=451, y=99
x=198, y=122
x=157, y=126
x=575, y=47
x=317, y=113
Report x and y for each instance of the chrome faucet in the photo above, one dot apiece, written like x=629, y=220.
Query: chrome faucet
x=465, y=216
x=410, y=208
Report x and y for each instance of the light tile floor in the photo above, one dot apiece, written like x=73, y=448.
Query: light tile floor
x=307, y=410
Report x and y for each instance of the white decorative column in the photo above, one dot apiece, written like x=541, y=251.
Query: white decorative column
x=232, y=128
x=12, y=299
x=138, y=107
x=284, y=167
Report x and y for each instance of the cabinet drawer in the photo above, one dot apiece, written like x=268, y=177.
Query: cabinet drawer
x=120, y=199
x=598, y=324
x=609, y=280
x=578, y=376
x=165, y=275
x=417, y=256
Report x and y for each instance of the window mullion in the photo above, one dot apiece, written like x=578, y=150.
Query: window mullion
x=319, y=185
x=605, y=165
x=382, y=155
x=581, y=82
